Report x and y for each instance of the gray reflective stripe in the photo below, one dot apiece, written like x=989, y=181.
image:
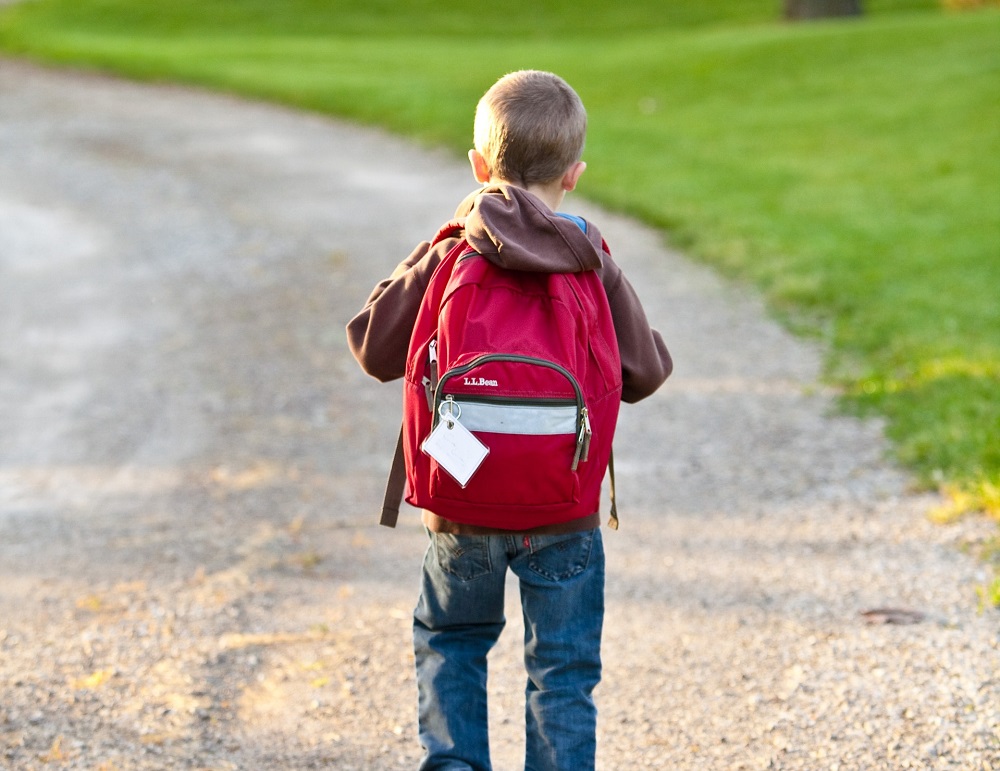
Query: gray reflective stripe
x=518, y=418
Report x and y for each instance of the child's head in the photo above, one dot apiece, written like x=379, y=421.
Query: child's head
x=530, y=128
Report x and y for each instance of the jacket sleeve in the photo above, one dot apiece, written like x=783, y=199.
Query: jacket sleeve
x=646, y=362
x=379, y=335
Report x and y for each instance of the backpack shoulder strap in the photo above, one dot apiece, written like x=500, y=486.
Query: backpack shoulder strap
x=395, y=486
x=613, y=520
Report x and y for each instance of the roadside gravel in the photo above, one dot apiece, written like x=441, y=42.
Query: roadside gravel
x=190, y=466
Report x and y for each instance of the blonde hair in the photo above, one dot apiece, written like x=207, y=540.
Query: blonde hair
x=530, y=127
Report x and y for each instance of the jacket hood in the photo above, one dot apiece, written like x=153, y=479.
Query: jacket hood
x=513, y=229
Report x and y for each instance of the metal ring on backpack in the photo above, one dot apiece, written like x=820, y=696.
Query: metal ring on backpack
x=449, y=411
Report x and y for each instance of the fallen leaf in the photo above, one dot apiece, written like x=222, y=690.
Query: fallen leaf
x=893, y=616
x=94, y=680
x=55, y=753
x=91, y=602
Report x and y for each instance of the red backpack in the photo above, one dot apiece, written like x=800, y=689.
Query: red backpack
x=510, y=398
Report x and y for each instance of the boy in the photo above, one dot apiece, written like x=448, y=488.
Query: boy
x=529, y=135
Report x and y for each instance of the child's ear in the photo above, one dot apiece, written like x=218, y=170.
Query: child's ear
x=480, y=169
x=572, y=175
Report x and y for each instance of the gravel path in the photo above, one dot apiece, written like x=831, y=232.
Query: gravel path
x=190, y=465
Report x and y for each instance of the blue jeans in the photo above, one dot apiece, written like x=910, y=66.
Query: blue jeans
x=459, y=618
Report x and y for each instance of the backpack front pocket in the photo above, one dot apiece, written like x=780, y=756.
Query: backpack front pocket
x=535, y=442
x=531, y=447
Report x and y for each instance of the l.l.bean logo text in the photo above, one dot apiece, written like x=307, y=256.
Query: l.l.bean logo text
x=479, y=381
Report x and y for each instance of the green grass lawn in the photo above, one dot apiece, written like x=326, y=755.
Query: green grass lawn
x=850, y=169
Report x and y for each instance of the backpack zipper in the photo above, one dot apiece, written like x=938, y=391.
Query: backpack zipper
x=583, y=433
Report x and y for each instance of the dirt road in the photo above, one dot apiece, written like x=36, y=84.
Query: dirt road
x=190, y=466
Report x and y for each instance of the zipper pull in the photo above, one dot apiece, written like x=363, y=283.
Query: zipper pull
x=587, y=434
x=430, y=383
x=432, y=355
x=582, y=440
x=428, y=392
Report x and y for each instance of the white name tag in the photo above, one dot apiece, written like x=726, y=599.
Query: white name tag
x=455, y=449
